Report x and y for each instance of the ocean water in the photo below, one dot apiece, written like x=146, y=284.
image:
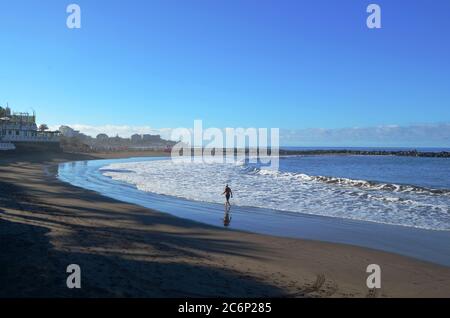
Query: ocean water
x=406, y=191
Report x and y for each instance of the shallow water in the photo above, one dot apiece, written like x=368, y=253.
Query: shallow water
x=405, y=191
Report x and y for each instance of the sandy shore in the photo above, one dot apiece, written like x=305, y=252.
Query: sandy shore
x=128, y=251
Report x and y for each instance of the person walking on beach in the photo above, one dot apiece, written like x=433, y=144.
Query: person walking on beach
x=228, y=193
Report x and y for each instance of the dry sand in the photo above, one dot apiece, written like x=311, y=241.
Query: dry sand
x=126, y=250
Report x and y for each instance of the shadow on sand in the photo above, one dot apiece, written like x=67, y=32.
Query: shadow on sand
x=32, y=268
x=115, y=260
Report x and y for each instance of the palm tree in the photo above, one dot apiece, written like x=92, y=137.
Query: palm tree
x=43, y=127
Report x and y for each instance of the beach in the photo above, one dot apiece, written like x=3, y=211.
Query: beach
x=125, y=250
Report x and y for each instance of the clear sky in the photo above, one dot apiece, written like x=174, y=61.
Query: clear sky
x=252, y=63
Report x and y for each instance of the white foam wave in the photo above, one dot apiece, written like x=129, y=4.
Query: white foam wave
x=293, y=192
x=370, y=185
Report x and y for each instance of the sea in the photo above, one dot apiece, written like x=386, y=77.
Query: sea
x=406, y=191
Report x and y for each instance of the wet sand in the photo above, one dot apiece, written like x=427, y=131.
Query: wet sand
x=126, y=250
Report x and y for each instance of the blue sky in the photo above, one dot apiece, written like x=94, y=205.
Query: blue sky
x=232, y=63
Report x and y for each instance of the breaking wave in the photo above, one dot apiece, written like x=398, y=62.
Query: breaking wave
x=363, y=184
x=257, y=186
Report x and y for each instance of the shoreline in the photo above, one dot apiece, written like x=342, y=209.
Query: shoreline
x=429, y=245
x=126, y=250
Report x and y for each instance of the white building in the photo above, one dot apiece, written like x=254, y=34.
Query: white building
x=19, y=130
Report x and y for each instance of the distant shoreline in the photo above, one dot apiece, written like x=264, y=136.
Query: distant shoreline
x=282, y=152
x=403, y=153
x=343, y=151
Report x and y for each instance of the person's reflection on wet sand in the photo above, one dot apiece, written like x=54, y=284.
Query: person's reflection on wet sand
x=227, y=216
